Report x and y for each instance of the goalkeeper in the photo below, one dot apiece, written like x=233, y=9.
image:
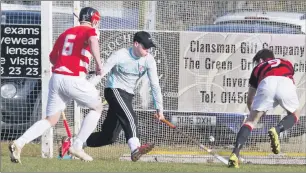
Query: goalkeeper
x=126, y=67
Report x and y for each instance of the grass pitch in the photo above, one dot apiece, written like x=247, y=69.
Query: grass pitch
x=35, y=164
x=32, y=162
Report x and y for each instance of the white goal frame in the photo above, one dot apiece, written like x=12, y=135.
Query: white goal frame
x=46, y=47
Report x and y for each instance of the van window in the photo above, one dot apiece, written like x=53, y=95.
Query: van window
x=261, y=22
x=244, y=28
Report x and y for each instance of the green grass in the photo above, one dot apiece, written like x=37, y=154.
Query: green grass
x=31, y=162
x=34, y=164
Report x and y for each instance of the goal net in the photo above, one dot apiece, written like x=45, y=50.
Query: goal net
x=204, y=71
x=203, y=52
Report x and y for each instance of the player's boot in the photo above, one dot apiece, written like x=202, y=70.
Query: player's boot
x=275, y=144
x=15, y=152
x=144, y=149
x=233, y=161
x=80, y=154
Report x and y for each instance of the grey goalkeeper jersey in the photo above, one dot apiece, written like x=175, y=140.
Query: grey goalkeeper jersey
x=126, y=69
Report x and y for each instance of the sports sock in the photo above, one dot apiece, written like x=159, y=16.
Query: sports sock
x=77, y=143
x=133, y=143
x=286, y=123
x=74, y=139
x=242, y=137
x=36, y=130
x=88, y=126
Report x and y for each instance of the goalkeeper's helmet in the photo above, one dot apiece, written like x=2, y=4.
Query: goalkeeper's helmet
x=88, y=14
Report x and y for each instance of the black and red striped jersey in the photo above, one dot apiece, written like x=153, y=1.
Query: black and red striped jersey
x=271, y=67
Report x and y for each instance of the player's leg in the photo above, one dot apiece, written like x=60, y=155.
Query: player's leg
x=85, y=94
x=129, y=121
x=287, y=97
x=55, y=104
x=109, y=133
x=243, y=135
x=263, y=101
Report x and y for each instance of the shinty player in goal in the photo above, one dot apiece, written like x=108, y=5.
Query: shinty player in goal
x=70, y=57
x=271, y=84
x=125, y=67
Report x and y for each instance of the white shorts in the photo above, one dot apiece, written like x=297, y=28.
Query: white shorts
x=273, y=91
x=63, y=89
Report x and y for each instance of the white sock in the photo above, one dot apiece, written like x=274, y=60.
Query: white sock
x=133, y=143
x=89, y=124
x=36, y=130
x=77, y=143
x=84, y=145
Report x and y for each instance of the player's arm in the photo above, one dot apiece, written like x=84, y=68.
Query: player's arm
x=107, y=66
x=253, y=83
x=55, y=53
x=155, y=88
x=95, y=50
x=251, y=94
x=110, y=63
x=291, y=67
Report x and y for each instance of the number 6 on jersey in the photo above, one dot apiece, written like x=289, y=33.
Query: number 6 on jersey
x=68, y=45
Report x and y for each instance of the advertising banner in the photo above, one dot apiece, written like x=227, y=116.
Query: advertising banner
x=215, y=68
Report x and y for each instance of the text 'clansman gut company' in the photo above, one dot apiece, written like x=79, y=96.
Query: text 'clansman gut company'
x=245, y=48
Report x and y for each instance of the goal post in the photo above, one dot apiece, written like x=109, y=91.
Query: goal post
x=76, y=109
x=47, y=36
x=150, y=15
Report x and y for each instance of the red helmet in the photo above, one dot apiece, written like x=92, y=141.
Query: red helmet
x=88, y=14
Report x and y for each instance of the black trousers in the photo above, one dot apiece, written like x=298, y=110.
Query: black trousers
x=120, y=116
